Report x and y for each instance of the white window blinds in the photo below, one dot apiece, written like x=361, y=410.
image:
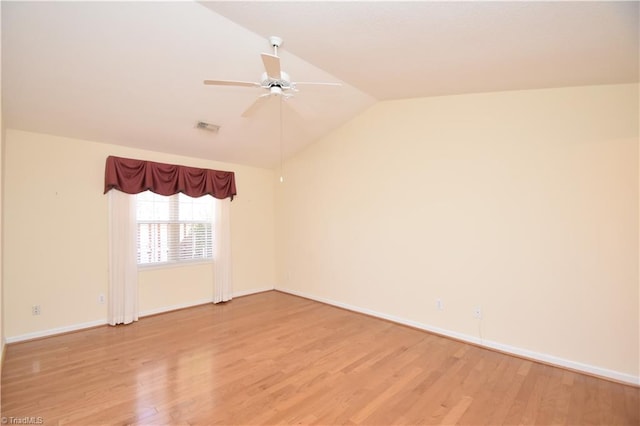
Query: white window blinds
x=175, y=228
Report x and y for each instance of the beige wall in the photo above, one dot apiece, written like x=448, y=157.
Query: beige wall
x=56, y=234
x=524, y=203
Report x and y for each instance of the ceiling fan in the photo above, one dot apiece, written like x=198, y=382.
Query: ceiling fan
x=275, y=81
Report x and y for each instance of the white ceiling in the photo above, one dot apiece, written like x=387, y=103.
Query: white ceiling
x=394, y=50
x=131, y=73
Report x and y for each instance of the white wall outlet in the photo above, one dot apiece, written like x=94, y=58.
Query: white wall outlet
x=101, y=298
x=477, y=312
x=35, y=310
x=439, y=304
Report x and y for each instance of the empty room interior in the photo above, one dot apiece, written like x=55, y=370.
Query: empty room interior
x=320, y=213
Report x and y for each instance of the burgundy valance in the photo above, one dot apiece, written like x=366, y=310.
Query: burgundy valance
x=135, y=176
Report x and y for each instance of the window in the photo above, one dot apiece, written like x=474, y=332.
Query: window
x=177, y=228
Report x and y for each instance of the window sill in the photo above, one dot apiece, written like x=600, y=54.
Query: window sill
x=171, y=265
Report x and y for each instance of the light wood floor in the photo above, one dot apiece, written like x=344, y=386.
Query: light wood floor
x=273, y=358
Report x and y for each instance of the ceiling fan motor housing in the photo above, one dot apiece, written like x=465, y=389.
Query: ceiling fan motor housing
x=283, y=83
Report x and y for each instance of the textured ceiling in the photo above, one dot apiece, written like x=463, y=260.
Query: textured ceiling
x=131, y=73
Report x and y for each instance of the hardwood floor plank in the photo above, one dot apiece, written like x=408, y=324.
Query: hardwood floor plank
x=457, y=411
x=273, y=358
x=632, y=404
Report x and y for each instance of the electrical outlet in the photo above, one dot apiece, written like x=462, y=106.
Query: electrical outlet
x=439, y=304
x=477, y=312
x=35, y=310
x=101, y=299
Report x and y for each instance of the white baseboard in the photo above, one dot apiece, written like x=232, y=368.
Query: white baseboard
x=164, y=309
x=525, y=353
x=54, y=331
x=251, y=291
x=148, y=312
x=170, y=308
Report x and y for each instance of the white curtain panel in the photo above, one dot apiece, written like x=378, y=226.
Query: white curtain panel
x=222, y=282
x=123, y=268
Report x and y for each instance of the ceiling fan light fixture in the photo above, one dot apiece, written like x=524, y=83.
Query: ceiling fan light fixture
x=275, y=90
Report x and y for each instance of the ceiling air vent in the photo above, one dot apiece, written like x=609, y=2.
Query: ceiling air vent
x=207, y=126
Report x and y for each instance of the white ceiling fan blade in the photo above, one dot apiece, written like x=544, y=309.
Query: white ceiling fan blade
x=311, y=83
x=271, y=65
x=255, y=105
x=231, y=83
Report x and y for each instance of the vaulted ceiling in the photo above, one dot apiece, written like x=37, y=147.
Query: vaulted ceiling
x=131, y=73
